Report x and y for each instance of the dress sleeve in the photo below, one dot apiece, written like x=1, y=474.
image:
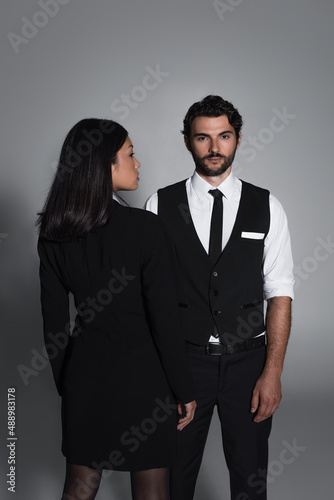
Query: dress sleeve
x=159, y=290
x=55, y=308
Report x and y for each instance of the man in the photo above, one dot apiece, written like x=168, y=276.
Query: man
x=232, y=249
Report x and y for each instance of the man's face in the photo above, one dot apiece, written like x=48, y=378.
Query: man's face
x=213, y=144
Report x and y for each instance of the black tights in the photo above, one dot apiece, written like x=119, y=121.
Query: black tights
x=150, y=484
x=82, y=483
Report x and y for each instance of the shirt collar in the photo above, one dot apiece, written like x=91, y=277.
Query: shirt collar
x=117, y=198
x=202, y=187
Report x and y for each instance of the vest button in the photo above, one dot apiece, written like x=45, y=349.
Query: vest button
x=216, y=313
x=215, y=293
x=215, y=274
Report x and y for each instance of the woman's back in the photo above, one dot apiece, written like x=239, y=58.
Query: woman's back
x=102, y=270
x=122, y=364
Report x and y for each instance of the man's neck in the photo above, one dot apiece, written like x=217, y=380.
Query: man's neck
x=217, y=179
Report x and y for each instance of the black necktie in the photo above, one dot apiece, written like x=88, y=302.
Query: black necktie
x=216, y=229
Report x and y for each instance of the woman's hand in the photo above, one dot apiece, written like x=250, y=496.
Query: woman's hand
x=189, y=410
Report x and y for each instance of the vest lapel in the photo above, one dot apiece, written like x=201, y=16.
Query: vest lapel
x=189, y=227
x=236, y=226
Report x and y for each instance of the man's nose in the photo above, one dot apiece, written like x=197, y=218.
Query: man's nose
x=214, y=146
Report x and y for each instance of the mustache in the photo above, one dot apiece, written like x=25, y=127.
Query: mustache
x=213, y=155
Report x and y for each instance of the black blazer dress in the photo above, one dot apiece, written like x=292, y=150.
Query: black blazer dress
x=121, y=366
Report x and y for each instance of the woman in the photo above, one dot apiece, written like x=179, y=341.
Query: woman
x=124, y=365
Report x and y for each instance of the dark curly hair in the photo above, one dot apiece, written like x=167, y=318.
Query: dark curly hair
x=212, y=106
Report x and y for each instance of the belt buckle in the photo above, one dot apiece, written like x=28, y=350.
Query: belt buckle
x=207, y=350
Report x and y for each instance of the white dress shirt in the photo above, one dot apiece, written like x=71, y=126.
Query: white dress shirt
x=119, y=200
x=277, y=258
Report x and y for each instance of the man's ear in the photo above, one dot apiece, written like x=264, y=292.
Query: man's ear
x=187, y=143
x=239, y=140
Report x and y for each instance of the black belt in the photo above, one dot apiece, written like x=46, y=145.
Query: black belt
x=219, y=349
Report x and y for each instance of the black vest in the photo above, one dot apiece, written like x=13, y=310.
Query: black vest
x=230, y=292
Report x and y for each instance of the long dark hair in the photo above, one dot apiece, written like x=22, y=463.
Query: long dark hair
x=80, y=197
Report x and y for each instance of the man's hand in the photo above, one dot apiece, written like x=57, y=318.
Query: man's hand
x=267, y=391
x=266, y=396
x=189, y=410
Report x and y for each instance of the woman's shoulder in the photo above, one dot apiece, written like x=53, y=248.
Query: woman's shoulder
x=143, y=224
x=122, y=219
x=137, y=215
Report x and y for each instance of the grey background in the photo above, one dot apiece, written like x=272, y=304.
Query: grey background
x=261, y=55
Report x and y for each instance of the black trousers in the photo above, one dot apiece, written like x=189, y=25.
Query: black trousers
x=226, y=381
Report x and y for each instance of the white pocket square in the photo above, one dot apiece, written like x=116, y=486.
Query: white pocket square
x=252, y=236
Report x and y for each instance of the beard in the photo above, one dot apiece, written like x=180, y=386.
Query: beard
x=213, y=171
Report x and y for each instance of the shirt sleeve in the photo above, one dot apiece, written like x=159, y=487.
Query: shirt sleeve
x=55, y=309
x=152, y=204
x=159, y=290
x=278, y=264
